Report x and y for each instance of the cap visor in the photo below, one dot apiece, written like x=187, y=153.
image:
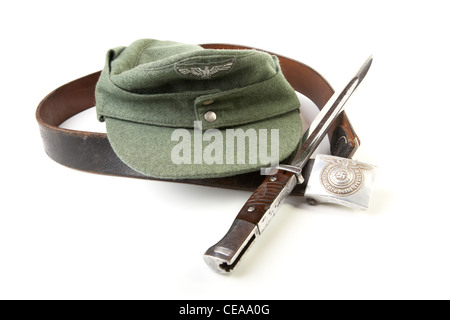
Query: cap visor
x=171, y=153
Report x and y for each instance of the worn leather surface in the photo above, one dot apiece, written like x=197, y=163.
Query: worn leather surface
x=91, y=151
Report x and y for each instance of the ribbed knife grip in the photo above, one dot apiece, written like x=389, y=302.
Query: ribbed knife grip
x=263, y=203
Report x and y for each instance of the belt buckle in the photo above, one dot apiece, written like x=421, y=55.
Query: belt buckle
x=340, y=181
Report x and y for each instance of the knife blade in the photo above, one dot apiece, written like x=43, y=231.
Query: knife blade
x=262, y=205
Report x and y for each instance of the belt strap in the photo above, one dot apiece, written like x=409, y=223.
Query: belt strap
x=91, y=151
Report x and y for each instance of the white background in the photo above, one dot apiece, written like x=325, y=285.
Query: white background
x=66, y=234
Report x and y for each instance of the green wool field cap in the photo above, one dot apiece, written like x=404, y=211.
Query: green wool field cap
x=178, y=111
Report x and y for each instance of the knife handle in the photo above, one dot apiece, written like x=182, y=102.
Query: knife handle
x=251, y=221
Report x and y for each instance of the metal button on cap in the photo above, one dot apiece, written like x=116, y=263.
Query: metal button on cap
x=210, y=116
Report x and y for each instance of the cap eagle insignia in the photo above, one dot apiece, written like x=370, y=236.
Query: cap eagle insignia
x=204, y=71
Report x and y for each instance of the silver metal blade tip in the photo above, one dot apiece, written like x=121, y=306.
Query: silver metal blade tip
x=364, y=69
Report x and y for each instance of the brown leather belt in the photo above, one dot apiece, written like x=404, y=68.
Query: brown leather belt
x=91, y=151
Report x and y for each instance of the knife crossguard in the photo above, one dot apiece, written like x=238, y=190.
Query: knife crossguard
x=251, y=221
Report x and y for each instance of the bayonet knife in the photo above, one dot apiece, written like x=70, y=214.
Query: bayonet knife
x=262, y=205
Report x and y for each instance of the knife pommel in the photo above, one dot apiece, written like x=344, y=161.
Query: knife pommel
x=251, y=221
x=225, y=254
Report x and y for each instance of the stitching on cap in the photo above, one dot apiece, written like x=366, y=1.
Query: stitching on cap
x=140, y=53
